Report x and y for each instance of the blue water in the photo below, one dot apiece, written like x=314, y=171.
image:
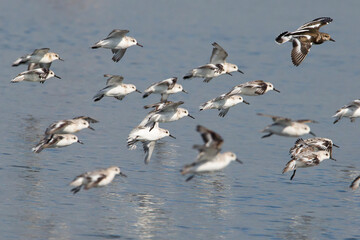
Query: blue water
x=249, y=201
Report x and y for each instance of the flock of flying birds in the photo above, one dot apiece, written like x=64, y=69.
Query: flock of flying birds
x=305, y=153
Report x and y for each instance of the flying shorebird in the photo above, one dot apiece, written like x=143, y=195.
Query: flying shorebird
x=97, y=178
x=35, y=75
x=70, y=125
x=305, y=160
x=147, y=137
x=252, y=88
x=311, y=145
x=115, y=88
x=209, y=158
x=118, y=42
x=304, y=37
x=215, y=68
x=55, y=141
x=287, y=127
x=352, y=111
x=165, y=88
x=40, y=58
x=169, y=112
x=223, y=103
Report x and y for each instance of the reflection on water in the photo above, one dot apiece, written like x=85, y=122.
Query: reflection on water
x=301, y=228
x=166, y=153
x=151, y=217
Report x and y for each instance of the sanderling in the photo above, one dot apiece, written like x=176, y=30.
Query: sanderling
x=70, y=125
x=304, y=37
x=42, y=57
x=312, y=144
x=252, y=88
x=147, y=137
x=287, y=127
x=305, y=160
x=97, y=178
x=115, y=88
x=55, y=141
x=35, y=75
x=168, y=113
x=215, y=68
x=355, y=184
x=352, y=111
x=223, y=103
x=165, y=88
x=209, y=158
x=118, y=42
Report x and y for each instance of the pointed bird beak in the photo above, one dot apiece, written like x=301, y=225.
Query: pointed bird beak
x=184, y=91
x=312, y=133
x=246, y=102
x=191, y=116
x=332, y=40
x=91, y=128
x=240, y=71
x=229, y=74
x=122, y=174
x=335, y=145
x=80, y=142
x=276, y=90
x=172, y=136
x=139, y=45
x=137, y=91
x=239, y=161
x=61, y=59
x=57, y=76
x=332, y=158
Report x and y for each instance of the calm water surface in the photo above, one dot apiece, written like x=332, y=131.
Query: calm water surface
x=249, y=201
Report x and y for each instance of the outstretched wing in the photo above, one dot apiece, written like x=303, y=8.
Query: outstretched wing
x=88, y=119
x=41, y=51
x=301, y=47
x=117, y=33
x=316, y=23
x=276, y=119
x=171, y=107
x=148, y=149
x=210, y=138
x=306, y=121
x=218, y=55
x=113, y=79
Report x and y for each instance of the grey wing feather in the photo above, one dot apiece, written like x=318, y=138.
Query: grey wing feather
x=275, y=118
x=113, y=79
x=148, y=149
x=118, y=54
x=117, y=33
x=41, y=51
x=172, y=106
x=88, y=119
x=218, y=55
